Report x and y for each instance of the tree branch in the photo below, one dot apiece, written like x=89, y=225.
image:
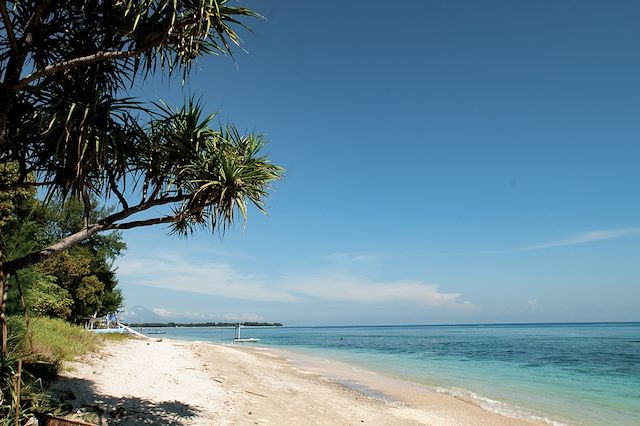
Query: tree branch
x=114, y=187
x=9, y=27
x=77, y=62
x=139, y=223
x=125, y=213
x=108, y=223
x=155, y=192
x=37, y=15
x=98, y=56
x=63, y=244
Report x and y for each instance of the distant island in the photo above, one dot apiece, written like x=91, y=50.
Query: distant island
x=205, y=324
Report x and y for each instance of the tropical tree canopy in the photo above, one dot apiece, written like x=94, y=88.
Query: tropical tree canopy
x=69, y=126
x=73, y=284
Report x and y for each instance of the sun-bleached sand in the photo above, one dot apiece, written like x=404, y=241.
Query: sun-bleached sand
x=184, y=383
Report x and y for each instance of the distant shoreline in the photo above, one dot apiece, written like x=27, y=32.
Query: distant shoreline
x=480, y=324
x=277, y=324
x=204, y=324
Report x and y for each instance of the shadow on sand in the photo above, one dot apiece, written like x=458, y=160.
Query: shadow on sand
x=83, y=399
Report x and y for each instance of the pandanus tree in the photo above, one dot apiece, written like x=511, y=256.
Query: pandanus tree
x=69, y=126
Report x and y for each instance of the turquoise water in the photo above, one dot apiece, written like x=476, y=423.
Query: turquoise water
x=573, y=373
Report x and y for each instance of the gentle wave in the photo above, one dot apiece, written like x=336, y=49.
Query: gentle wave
x=501, y=408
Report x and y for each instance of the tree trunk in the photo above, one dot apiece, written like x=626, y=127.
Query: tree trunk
x=4, y=295
x=65, y=243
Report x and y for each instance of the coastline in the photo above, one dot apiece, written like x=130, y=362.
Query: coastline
x=178, y=382
x=401, y=390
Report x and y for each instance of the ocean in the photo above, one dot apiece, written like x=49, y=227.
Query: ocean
x=586, y=374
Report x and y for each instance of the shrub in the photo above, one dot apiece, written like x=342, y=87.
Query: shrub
x=42, y=350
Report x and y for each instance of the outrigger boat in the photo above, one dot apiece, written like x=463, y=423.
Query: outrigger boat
x=242, y=340
x=109, y=324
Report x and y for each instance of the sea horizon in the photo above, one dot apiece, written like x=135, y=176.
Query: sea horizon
x=470, y=324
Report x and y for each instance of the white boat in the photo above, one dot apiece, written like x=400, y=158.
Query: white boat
x=109, y=324
x=246, y=339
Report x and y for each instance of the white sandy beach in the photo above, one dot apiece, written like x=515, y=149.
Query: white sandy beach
x=182, y=383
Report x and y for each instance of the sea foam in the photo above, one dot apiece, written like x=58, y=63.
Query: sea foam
x=502, y=408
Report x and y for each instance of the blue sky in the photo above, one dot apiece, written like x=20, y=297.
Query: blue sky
x=447, y=162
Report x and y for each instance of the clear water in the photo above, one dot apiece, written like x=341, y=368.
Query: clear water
x=574, y=373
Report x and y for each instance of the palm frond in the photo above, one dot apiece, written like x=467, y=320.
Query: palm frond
x=221, y=170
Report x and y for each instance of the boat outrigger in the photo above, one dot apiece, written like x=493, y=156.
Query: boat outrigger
x=109, y=324
x=242, y=340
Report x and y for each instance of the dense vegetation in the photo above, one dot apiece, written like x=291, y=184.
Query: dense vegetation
x=40, y=348
x=75, y=283
x=65, y=287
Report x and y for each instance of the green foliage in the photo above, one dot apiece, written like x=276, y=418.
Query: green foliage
x=111, y=301
x=46, y=298
x=220, y=169
x=32, y=398
x=67, y=121
x=85, y=271
x=84, y=54
x=55, y=340
x=10, y=199
x=20, y=215
x=69, y=267
x=88, y=293
x=48, y=343
x=73, y=284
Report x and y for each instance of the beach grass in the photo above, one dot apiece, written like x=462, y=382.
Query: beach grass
x=50, y=340
x=58, y=341
x=39, y=349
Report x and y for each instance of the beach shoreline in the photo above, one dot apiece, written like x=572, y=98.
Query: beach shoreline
x=388, y=387
x=176, y=382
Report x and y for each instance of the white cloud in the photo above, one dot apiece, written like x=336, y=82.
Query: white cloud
x=215, y=278
x=344, y=288
x=133, y=315
x=586, y=237
x=227, y=317
x=162, y=312
x=222, y=279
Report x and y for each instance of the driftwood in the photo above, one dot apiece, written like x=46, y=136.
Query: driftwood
x=48, y=420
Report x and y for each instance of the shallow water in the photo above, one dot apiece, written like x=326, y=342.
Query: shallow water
x=574, y=373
